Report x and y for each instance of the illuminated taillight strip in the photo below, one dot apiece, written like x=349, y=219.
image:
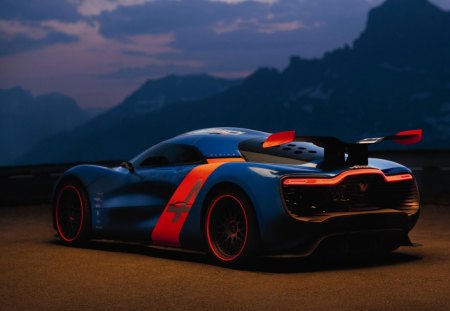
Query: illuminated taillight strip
x=394, y=178
x=307, y=181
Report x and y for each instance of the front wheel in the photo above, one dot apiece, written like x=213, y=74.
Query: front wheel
x=231, y=228
x=71, y=213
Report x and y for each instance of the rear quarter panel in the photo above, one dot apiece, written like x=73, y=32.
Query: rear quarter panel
x=261, y=183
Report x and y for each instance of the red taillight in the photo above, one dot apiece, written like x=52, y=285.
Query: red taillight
x=337, y=179
x=393, y=178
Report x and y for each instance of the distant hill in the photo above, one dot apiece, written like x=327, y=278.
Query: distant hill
x=395, y=76
x=157, y=94
x=25, y=120
x=152, y=96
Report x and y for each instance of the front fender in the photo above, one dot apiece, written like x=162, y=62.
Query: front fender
x=86, y=174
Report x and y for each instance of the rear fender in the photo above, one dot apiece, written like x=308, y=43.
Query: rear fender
x=260, y=184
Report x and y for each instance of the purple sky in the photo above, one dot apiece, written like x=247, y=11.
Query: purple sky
x=99, y=51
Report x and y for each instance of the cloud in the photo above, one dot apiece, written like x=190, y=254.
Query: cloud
x=271, y=28
x=32, y=10
x=133, y=38
x=91, y=53
x=84, y=45
x=20, y=44
x=238, y=24
x=240, y=1
x=96, y=7
x=17, y=37
x=11, y=29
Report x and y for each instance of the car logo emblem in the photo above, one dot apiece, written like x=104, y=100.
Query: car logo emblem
x=363, y=187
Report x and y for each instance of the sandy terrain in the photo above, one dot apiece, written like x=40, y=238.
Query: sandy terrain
x=36, y=272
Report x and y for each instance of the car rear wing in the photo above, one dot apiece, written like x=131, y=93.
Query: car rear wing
x=335, y=150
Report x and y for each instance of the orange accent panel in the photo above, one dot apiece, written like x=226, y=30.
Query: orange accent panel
x=279, y=138
x=337, y=179
x=223, y=160
x=167, y=229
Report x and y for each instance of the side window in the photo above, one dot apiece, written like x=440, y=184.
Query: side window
x=172, y=154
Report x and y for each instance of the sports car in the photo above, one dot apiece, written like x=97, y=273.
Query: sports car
x=238, y=194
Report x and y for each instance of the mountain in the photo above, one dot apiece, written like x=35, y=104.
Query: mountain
x=25, y=120
x=395, y=76
x=151, y=97
x=157, y=94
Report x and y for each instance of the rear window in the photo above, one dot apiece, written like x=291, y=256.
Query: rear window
x=291, y=153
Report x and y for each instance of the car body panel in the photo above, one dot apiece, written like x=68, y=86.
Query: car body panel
x=127, y=204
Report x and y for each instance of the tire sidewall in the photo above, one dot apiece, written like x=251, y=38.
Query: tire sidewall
x=252, y=247
x=85, y=231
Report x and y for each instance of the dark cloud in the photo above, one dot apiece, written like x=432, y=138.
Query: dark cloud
x=33, y=10
x=197, y=15
x=23, y=43
x=205, y=36
x=244, y=36
x=163, y=16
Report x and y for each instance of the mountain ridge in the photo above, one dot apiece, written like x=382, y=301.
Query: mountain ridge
x=26, y=119
x=369, y=88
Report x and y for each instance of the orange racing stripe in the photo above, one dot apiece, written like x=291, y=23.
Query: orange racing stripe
x=215, y=160
x=168, y=228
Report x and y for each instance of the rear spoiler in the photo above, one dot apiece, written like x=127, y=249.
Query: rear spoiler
x=335, y=149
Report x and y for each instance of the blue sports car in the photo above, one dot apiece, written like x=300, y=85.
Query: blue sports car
x=238, y=193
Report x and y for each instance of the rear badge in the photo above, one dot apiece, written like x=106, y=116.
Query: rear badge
x=363, y=187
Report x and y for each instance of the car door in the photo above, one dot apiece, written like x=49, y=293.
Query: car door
x=133, y=205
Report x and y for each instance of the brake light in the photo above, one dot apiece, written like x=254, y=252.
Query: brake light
x=323, y=181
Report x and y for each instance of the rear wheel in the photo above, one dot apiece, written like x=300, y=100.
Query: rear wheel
x=231, y=228
x=72, y=213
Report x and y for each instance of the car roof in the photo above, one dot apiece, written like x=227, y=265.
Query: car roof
x=217, y=142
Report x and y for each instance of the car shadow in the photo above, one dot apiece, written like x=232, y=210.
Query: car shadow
x=140, y=249
x=314, y=263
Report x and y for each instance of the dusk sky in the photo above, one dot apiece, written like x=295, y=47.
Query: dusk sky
x=99, y=51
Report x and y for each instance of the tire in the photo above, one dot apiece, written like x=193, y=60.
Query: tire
x=231, y=228
x=72, y=213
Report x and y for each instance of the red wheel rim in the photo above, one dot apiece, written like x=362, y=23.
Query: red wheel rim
x=226, y=227
x=69, y=214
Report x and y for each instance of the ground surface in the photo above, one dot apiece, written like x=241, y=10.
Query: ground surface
x=36, y=272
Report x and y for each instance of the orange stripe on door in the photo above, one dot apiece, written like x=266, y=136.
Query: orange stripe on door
x=168, y=228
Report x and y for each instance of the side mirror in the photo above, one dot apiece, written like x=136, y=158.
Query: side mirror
x=128, y=165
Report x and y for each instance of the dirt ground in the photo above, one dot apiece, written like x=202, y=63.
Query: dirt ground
x=36, y=272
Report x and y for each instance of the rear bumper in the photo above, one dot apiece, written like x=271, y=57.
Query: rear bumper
x=382, y=229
